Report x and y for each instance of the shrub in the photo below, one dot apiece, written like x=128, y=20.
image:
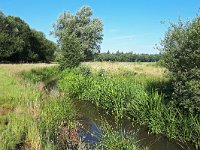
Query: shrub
x=181, y=55
x=41, y=75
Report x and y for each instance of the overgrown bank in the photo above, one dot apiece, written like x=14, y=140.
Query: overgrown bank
x=133, y=96
x=146, y=99
x=29, y=119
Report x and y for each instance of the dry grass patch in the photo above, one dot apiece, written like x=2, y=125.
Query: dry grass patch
x=132, y=67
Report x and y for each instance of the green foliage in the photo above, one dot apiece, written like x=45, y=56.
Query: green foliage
x=181, y=55
x=127, y=57
x=19, y=43
x=43, y=48
x=70, y=52
x=55, y=115
x=41, y=75
x=88, y=31
x=134, y=96
x=30, y=119
x=117, y=140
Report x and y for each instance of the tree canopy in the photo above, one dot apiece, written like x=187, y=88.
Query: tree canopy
x=86, y=29
x=20, y=43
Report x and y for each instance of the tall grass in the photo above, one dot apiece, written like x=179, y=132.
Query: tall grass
x=147, y=68
x=134, y=96
x=117, y=139
x=41, y=74
x=51, y=127
x=30, y=119
x=145, y=98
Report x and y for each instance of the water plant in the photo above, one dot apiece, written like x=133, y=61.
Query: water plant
x=136, y=96
x=145, y=99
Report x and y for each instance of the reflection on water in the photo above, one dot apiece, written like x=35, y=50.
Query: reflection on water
x=91, y=119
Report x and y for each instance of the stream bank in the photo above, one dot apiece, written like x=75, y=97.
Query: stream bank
x=92, y=119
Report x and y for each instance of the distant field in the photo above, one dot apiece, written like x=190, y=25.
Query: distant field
x=148, y=68
x=133, y=67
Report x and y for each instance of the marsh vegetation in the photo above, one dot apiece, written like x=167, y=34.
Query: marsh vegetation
x=137, y=94
x=40, y=103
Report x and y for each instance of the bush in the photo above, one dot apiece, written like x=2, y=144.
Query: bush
x=41, y=75
x=181, y=55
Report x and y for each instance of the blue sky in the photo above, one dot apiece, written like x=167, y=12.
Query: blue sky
x=129, y=25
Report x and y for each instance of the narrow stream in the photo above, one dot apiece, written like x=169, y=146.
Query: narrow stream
x=91, y=118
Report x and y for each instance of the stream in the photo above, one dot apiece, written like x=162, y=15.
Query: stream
x=91, y=118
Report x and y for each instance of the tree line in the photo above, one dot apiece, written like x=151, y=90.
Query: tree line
x=79, y=38
x=127, y=57
x=20, y=43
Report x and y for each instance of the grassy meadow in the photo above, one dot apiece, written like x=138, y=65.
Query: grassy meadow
x=147, y=68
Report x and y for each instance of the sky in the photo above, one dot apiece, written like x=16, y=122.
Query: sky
x=129, y=25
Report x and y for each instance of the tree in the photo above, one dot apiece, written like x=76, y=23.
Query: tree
x=70, y=52
x=13, y=37
x=88, y=31
x=181, y=56
x=20, y=43
x=41, y=47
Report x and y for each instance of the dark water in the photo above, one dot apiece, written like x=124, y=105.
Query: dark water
x=91, y=118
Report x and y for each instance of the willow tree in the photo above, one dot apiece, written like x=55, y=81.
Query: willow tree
x=87, y=30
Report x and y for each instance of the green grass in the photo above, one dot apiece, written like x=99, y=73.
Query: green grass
x=142, y=96
x=41, y=74
x=147, y=68
x=30, y=119
x=117, y=140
